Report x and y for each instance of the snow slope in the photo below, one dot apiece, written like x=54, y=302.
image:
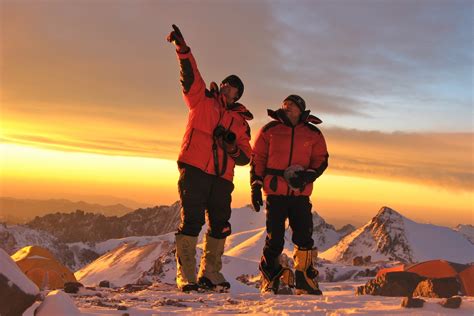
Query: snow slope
x=128, y=263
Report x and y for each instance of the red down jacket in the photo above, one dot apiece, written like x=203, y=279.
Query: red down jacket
x=207, y=110
x=279, y=145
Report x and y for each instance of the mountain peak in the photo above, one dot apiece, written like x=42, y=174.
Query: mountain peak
x=387, y=215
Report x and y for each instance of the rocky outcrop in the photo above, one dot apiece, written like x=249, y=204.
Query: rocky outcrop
x=444, y=287
x=467, y=231
x=89, y=227
x=391, y=284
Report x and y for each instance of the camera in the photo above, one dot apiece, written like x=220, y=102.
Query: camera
x=228, y=136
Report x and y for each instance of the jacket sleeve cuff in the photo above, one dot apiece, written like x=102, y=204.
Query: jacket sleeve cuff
x=185, y=54
x=240, y=157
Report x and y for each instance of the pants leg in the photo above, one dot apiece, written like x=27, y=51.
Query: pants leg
x=219, y=209
x=301, y=222
x=276, y=215
x=194, y=187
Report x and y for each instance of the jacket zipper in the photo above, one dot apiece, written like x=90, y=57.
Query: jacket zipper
x=291, y=154
x=190, y=138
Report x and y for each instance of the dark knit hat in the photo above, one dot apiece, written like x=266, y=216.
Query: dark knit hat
x=296, y=99
x=235, y=82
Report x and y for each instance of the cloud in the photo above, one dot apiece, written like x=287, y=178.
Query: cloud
x=106, y=146
x=440, y=159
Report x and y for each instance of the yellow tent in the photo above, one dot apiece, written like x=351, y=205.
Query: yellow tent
x=42, y=268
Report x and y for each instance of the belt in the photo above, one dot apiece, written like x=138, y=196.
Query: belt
x=274, y=172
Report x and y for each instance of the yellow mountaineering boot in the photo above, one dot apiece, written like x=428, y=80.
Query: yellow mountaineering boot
x=186, y=262
x=305, y=273
x=275, y=278
x=210, y=277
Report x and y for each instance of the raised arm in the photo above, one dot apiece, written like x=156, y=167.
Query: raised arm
x=190, y=78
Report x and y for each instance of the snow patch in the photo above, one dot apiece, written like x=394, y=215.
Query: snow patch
x=10, y=269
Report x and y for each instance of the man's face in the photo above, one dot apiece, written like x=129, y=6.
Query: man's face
x=292, y=111
x=231, y=93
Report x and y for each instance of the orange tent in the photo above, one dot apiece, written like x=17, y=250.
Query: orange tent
x=440, y=269
x=40, y=266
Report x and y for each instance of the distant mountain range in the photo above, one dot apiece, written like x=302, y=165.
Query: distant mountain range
x=18, y=211
x=79, y=238
x=387, y=238
x=93, y=227
x=391, y=236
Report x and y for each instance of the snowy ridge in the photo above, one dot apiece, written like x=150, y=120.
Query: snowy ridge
x=390, y=236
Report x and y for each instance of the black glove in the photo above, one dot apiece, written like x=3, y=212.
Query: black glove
x=297, y=182
x=257, y=200
x=176, y=37
x=308, y=176
x=303, y=177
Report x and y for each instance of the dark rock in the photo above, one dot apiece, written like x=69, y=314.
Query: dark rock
x=357, y=261
x=129, y=288
x=367, y=259
x=443, y=287
x=399, y=283
x=366, y=273
x=104, y=283
x=452, y=302
x=87, y=256
x=18, y=300
x=72, y=287
x=412, y=302
x=122, y=308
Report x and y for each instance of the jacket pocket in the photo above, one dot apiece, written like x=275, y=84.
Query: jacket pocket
x=274, y=183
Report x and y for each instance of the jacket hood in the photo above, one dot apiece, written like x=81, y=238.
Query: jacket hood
x=241, y=109
x=306, y=117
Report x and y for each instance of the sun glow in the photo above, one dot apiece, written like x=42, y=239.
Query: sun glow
x=143, y=179
x=52, y=173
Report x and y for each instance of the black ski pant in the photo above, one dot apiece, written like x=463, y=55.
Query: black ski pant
x=298, y=210
x=202, y=193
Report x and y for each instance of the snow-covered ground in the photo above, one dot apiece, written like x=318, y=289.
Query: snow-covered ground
x=163, y=299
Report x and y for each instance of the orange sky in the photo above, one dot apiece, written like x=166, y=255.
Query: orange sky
x=91, y=106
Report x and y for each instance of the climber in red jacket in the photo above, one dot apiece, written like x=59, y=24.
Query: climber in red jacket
x=289, y=154
x=216, y=139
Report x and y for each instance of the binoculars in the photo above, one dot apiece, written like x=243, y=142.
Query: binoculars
x=228, y=136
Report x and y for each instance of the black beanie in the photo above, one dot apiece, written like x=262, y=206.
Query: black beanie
x=235, y=82
x=297, y=100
